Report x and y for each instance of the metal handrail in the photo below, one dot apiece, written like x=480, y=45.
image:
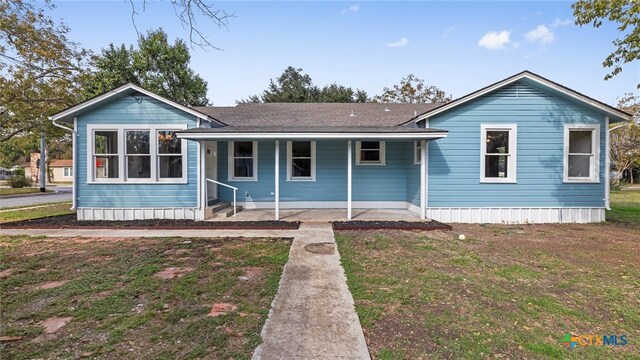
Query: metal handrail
x=235, y=189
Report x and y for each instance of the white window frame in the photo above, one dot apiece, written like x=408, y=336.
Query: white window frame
x=151, y=155
x=374, y=163
x=290, y=162
x=153, y=144
x=594, y=164
x=417, y=152
x=512, y=162
x=67, y=171
x=156, y=158
x=230, y=163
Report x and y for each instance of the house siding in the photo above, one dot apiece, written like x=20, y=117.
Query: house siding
x=370, y=182
x=128, y=110
x=454, y=162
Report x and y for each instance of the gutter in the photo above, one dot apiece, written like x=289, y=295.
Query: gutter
x=74, y=156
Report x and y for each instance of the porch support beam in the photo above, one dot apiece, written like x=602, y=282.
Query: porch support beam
x=349, y=161
x=423, y=179
x=277, y=180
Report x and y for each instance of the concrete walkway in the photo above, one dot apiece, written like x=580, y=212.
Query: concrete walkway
x=312, y=316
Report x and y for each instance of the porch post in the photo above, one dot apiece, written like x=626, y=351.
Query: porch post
x=349, y=180
x=423, y=179
x=277, y=180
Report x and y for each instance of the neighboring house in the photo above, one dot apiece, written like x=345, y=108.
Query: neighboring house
x=5, y=173
x=524, y=149
x=61, y=170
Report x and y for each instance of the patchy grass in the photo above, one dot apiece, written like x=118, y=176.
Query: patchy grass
x=625, y=207
x=120, y=308
x=504, y=292
x=35, y=212
x=18, y=191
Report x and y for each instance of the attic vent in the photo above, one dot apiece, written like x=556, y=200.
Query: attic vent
x=386, y=109
x=353, y=114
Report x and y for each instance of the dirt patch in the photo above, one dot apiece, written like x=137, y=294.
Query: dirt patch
x=6, y=339
x=69, y=221
x=52, y=284
x=221, y=309
x=5, y=273
x=173, y=272
x=52, y=325
x=389, y=225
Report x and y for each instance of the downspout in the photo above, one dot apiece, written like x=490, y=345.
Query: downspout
x=74, y=152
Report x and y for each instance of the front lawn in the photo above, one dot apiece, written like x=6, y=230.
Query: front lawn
x=506, y=292
x=625, y=207
x=35, y=212
x=136, y=298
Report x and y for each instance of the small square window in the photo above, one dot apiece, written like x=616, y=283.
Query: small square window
x=370, y=152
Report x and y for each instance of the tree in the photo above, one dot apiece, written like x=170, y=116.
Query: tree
x=625, y=13
x=155, y=65
x=625, y=140
x=293, y=86
x=40, y=69
x=412, y=90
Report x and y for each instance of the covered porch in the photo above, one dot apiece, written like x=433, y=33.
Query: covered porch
x=359, y=173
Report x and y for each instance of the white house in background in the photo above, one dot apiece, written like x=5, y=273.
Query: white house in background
x=5, y=173
x=62, y=170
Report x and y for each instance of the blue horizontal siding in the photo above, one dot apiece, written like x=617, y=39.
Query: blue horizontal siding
x=454, y=162
x=128, y=110
x=370, y=183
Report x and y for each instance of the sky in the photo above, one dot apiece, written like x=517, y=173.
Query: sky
x=458, y=46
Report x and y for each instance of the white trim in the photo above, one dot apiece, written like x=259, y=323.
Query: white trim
x=122, y=89
x=607, y=166
x=111, y=214
x=277, y=180
x=416, y=152
x=230, y=162
x=349, y=179
x=525, y=75
x=512, y=163
x=594, y=164
x=382, y=153
x=306, y=136
x=515, y=215
x=122, y=157
x=252, y=205
x=290, y=162
x=423, y=179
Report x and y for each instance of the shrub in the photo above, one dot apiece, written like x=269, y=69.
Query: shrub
x=19, y=182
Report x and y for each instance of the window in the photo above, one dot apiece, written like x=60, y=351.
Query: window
x=106, y=158
x=581, y=153
x=498, y=153
x=301, y=160
x=370, y=153
x=417, y=152
x=131, y=153
x=169, y=155
x=68, y=171
x=138, y=154
x=243, y=160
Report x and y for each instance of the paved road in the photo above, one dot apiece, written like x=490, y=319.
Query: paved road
x=64, y=194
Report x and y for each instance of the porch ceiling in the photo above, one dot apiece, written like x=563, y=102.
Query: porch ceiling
x=313, y=132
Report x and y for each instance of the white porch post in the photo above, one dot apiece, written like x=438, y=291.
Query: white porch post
x=277, y=180
x=423, y=179
x=349, y=179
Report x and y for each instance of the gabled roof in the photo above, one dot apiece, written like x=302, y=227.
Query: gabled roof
x=61, y=163
x=614, y=112
x=126, y=89
x=316, y=114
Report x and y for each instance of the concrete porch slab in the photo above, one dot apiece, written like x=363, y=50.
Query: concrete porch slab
x=324, y=215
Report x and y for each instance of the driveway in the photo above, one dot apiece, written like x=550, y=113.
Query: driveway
x=63, y=194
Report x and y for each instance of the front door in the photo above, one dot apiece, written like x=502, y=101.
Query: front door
x=211, y=164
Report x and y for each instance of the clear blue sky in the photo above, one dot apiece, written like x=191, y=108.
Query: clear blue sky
x=457, y=46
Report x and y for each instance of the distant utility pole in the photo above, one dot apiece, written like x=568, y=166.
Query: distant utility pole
x=43, y=168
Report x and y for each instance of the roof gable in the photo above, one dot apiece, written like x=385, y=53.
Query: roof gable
x=538, y=81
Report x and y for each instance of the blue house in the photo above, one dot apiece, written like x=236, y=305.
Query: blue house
x=522, y=150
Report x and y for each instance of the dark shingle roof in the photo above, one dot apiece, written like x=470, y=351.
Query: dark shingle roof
x=316, y=114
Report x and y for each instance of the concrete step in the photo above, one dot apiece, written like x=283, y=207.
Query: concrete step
x=210, y=211
x=227, y=211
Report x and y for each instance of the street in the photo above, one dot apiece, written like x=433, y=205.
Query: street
x=63, y=194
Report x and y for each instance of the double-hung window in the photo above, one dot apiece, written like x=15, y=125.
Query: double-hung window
x=130, y=153
x=581, y=153
x=68, y=171
x=498, y=153
x=301, y=160
x=370, y=153
x=243, y=160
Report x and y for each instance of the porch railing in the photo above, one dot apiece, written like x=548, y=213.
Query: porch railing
x=235, y=189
